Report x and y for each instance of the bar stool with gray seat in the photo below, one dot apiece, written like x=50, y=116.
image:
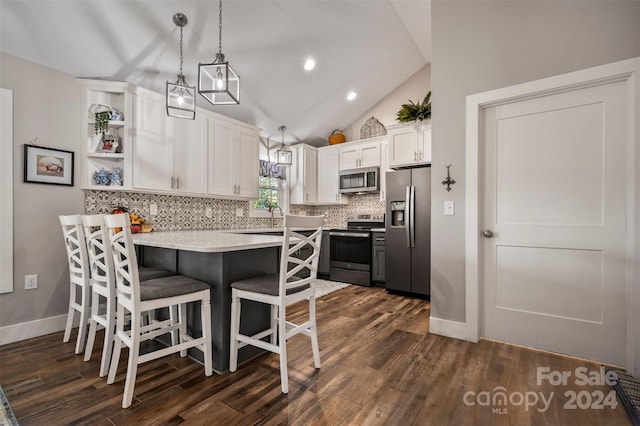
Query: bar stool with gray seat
x=281, y=290
x=103, y=286
x=79, y=284
x=154, y=294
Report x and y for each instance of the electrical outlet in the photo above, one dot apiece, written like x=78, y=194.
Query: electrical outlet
x=30, y=282
x=208, y=211
x=302, y=212
x=153, y=209
x=239, y=212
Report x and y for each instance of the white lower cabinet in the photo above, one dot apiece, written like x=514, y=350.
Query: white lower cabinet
x=328, y=177
x=233, y=159
x=169, y=154
x=303, y=175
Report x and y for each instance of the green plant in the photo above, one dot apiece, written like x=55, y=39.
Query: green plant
x=415, y=111
x=102, y=122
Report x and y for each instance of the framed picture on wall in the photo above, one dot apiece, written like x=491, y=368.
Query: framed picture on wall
x=48, y=165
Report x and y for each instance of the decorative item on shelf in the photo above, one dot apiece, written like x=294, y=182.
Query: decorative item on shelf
x=448, y=181
x=181, y=98
x=116, y=115
x=372, y=128
x=284, y=156
x=102, y=122
x=116, y=177
x=414, y=112
x=102, y=177
x=218, y=83
x=109, y=144
x=336, y=137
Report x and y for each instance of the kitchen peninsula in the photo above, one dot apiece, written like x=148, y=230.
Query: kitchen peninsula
x=217, y=258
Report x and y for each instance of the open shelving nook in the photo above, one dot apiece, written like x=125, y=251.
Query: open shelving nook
x=106, y=96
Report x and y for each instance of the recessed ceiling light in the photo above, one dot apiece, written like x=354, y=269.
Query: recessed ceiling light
x=309, y=65
x=351, y=96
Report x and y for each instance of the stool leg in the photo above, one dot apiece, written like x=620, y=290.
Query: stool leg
x=132, y=367
x=205, y=311
x=274, y=324
x=314, y=332
x=235, y=327
x=70, y=314
x=93, y=325
x=117, y=345
x=84, y=320
x=109, y=337
x=282, y=339
x=182, y=317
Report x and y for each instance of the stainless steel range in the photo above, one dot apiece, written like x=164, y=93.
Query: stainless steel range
x=350, y=254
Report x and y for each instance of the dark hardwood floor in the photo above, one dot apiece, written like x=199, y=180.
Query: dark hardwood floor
x=379, y=366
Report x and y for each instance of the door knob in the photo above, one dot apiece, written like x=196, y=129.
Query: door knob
x=487, y=233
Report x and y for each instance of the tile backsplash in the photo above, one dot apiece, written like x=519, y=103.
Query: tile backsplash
x=181, y=213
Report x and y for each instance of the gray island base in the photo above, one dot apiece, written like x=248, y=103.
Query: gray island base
x=218, y=263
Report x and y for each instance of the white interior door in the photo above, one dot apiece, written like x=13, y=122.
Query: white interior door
x=555, y=192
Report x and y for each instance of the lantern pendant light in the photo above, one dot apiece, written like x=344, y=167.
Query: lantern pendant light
x=181, y=98
x=283, y=155
x=218, y=83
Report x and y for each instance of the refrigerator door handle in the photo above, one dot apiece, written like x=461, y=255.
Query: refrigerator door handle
x=412, y=216
x=407, y=212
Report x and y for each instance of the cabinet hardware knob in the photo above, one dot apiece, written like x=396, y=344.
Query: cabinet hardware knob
x=488, y=233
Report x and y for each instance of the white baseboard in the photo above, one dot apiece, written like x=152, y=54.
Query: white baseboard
x=448, y=328
x=27, y=330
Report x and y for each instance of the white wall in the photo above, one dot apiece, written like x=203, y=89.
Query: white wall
x=47, y=105
x=415, y=87
x=484, y=45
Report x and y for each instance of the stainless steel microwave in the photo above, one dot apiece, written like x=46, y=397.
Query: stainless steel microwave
x=360, y=180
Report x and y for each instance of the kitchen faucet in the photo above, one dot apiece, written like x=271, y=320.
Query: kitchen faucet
x=272, y=209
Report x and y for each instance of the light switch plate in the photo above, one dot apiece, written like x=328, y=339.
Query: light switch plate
x=208, y=211
x=449, y=208
x=153, y=209
x=239, y=212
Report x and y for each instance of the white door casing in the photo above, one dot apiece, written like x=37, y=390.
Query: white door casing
x=6, y=191
x=481, y=106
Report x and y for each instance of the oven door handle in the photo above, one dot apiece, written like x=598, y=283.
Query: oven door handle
x=349, y=234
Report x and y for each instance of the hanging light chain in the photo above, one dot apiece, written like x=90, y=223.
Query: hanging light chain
x=180, y=75
x=220, y=28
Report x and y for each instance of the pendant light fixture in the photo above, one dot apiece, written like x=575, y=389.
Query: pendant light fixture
x=283, y=155
x=218, y=83
x=181, y=98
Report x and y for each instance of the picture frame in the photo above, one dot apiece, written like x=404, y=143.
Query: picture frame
x=48, y=165
x=109, y=145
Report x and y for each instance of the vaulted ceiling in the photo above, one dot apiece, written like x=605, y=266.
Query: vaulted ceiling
x=366, y=46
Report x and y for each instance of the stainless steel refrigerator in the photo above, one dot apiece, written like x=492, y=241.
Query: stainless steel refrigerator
x=408, y=233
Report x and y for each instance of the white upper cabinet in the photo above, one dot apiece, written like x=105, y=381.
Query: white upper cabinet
x=190, y=142
x=233, y=159
x=95, y=156
x=328, y=177
x=303, y=175
x=357, y=154
x=409, y=145
x=169, y=154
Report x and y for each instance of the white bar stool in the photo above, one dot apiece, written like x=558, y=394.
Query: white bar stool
x=74, y=242
x=154, y=294
x=281, y=290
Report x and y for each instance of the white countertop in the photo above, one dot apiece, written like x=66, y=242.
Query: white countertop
x=207, y=241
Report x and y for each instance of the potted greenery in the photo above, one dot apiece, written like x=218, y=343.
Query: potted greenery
x=415, y=111
x=102, y=122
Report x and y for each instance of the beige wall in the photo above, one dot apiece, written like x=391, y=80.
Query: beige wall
x=415, y=87
x=47, y=105
x=483, y=45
